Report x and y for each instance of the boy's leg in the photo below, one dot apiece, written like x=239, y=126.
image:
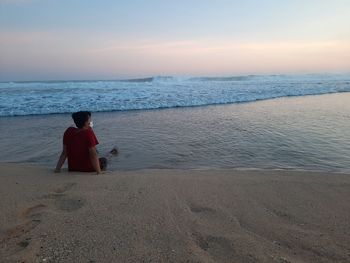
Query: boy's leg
x=103, y=163
x=105, y=160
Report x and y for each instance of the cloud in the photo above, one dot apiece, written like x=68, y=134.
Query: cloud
x=225, y=55
x=99, y=56
x=216, y=46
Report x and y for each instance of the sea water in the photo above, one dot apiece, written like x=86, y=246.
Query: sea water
x=302, y=133
x=33, y=98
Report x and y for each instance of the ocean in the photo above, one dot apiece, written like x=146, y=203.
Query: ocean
x=34, y=98
x=240, y=122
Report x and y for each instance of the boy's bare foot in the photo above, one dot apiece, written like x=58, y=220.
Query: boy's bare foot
x=114, y=151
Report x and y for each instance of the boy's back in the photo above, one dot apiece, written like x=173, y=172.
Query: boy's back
x=78, y=142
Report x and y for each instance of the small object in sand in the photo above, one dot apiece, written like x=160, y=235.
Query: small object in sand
x=114, y=151
x=24, y=243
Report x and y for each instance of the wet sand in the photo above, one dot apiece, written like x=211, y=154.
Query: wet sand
x=173, y=216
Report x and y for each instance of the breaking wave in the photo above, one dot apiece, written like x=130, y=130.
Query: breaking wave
x=35, y=98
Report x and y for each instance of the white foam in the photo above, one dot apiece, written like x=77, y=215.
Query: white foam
x=27, y=98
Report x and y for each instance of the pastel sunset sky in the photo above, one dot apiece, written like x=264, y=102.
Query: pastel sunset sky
x=83, y=39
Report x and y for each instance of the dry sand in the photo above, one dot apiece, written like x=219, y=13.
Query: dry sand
x=173, y=216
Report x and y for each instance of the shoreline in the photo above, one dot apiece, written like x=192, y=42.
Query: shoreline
x=173, y=215
x=204, y=169
x=297, y=133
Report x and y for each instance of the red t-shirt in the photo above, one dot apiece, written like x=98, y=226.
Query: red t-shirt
x=78, y=142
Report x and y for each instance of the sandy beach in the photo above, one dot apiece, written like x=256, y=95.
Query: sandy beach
x=173, y=216
x=224, y=127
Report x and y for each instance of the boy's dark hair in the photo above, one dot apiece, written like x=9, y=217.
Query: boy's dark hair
x=80, y=118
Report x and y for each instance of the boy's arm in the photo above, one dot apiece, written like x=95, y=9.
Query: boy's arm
x=94, y=159
x=61, y=160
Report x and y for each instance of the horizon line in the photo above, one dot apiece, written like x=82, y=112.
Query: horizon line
x=150, y=78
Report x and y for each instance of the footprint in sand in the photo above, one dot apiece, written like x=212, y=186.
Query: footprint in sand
x=215, y=245
x=33, y=213
x=61, y=201
x=218, y=247
x=17, y=238
x=64, y=188
x=69, y=204
x=58, y=192
x=200, y=209
x=29, y=218
x=18, y=244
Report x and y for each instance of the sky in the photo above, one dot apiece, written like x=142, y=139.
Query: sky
x=84, y=39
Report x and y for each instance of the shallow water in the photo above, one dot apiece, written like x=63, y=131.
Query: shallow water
x=308, y=133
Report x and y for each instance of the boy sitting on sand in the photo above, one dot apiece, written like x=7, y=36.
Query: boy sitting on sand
x=79, y=145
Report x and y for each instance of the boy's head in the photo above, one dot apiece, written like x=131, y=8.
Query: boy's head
x=81, y=118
